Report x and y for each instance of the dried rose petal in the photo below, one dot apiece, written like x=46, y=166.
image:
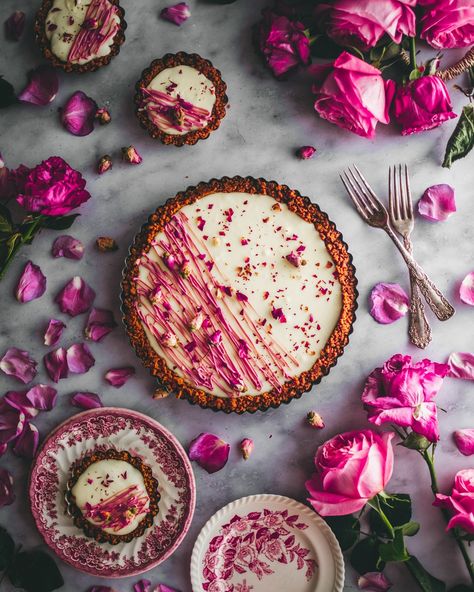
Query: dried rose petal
x=315, y=420
x=142, y=586
x=243, y=349
x=19, y=400
x=374, y=582
x=464, y=441
x=164, y=588
x=86, y=400
x=210, y=452
x=27, y=442
x=306, y=152
x=106, y=244
x=15, y=25
x=68, y=246
x=177, y=14
x=12, y=422
x=99, y=324
x=466, y=290
x=246, y=447
x=18, y=363
x=42, y=86
x=295, y=259
x=105, y=164
x=53, y=332
x=42, y=396
x=461, y=365
x=76, y=297
x=7, y=495
x=388, y=302
x=278, y=314
x=437, y=203
x=117, y=377
x=215, y=338
x=103, y=116
x=78, y=114
x=56, y=364
x=79, y=358
x=131, y=155
x=32, y=283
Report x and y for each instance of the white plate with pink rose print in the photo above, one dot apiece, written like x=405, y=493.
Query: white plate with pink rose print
x=123, y=430
x=264, y=543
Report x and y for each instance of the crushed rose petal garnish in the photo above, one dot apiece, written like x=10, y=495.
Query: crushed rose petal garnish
x=461, y=365
x=466, y=290
x=177, y=14
x=42, y=88
x=19, y=364
x=79, y=358
x=86, y=400
x=78, y=114
x=56, y=364
x=437, y=203
x=67, y=246
x=32, y=283
x=117, y=377
x=53, y=332
x=7, y=495
x=99, y=324
x=76, y=297
x=388, y=303
x=27, y=442
x=210, y=452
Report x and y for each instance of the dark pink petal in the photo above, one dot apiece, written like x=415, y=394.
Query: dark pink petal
x=32, y=283
x=79, y=358
x=42, y=396
x=164, y=588
x=374, y=581
x=461, y=365
x=278, y=314
x=56, y=364
x=86, y=400
x=117, y=377
x=99, y=324
x=42, y=86
x=18, y=363
x=466, y=290
x=7, y=496
x=53, y=332
x=68, y=246
x=437, y=203
x=15, y=25
x=388, y=302
x=464, y=441
x=142, y=586
x=27, y=442
x=176, y=14
x=12, y=422
x=3, y=448
x=210, y=452
x=76, y=297
x=306, y=152
x=78, y=114
x=19, y=400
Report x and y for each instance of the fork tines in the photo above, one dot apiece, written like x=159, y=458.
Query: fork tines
x=362, y=194
x=400, y=203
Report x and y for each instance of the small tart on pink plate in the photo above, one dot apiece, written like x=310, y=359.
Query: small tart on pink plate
x=180, y=99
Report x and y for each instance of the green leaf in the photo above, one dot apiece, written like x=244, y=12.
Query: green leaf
x=35, y=571
x=59, y=222
x=7, y=94
x=324, y=47
x=6, y=224
x=461, y=141
x=394, y=550
x=426, y=581
x=415, y=74
x=365, y=556
x=7, y=548
x=416, y=442
x=410, y=528
x=397, y=508
x=346, y=530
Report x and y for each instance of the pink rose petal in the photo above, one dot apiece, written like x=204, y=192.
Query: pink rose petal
x=42, y=396
x=388, y=302
x=53, y=332
x=19, y=400
x=42, y=86
x=12, y=422
x=177, y=14
x=466, y=290
x=76, y=297
x=15, y=25
x=56, y=364
x=210, y=452
x=437, y=203
x=142, y=586
x=18, y=363
x=78, y=114
x=79, y=358
x=27, y=442
x=86, y=400
x=164, y=588
x=117, y=377
x=464, y=441
x=99, y=324
x=68, y=246
x=7, y=495
x=374, y=582
x=32, y=283
x=461, y=365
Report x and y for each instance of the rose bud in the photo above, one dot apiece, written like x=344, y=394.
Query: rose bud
x=160, y=393
x=169, y=340
x=306, y=152
x=185, y=270
x=315, y=420
x=105, y=163
x=196, y=323
x=169, y=260
x=90, y=24
x=246, y=447
x=106, y=244
x=103, y=116
x=131, y=155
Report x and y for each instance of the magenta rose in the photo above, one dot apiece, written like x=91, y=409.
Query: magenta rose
x=448, y=23
x=422, y=104
x=461, y=501
x=283, y=42
x=402, y=393
x=362, y=23
x=352, y=94
x=351, y=469
x=53, y=188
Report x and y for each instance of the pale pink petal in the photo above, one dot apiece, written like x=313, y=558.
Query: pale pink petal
x=42, y=86
x=32, y=283
x=461, y=365
x=176, y=14
x=86, y=400
x=388, y=303
x=99, y=324
x=465, y=441
x=27, y=442
x=7, y=495
x=68, y=246
x=42, y=396
x=56, y=364
x=18, y=363
x=53, y=332
x=437, y=203
x=78, y=114
x=117, y=377
x=466, y=290
x=15, y=25
x=210, y=452
x=19, y=400
x=79, y=358
x=76, y=297
x=12, y=422
x=142, y=586
x=374, y=581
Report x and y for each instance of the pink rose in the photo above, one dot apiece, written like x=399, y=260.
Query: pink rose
x=283, y=42
x=352, y=94
x=461, y=501
x=422, y=104
x=246, y=554
x=403, y=393
x=53, y=188
x=362, y=23
x=352, y=468
x=448, y=23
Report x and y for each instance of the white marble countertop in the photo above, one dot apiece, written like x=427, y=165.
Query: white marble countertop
x=266, y=122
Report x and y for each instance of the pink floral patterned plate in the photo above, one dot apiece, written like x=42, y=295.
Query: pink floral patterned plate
x=266, y=542
x=125, y=430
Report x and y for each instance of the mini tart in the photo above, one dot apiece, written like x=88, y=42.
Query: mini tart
x=208, y=78
x=96, y=532
x=43, y=40
x=258, y=193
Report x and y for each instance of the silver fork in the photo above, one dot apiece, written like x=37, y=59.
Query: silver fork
x=374, y=213
x=401, y=219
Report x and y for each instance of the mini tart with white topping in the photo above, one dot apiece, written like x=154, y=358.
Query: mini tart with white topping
x=80, y=35
x=180, y=99
x=112, y=496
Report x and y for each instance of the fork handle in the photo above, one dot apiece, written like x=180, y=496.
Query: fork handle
x=419, y=328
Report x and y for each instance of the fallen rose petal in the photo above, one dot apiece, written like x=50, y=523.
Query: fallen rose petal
x=76, y=297
x=117, y=377
x=7, y=495
x=209, y=451
x=18, y=363
x=68, y=246
x=42, y=396
x=27, y=442
x=19, y=400
x=142, y=586
x=32, y=283
x=86, y=400
x=15, y=25
x=306, y=152
x=12, y=422
x=56, y=364
x=99, y=324
x=246, y=448
x=164, y=588
x=374, y=582
x=177, y=14
x=464, y=440
x=437, y=203
x=388, y=303
x=461, y=365
x=466, y=290
x=53, y=332
x=78, y=114
x=42, y=86
x=79, y=358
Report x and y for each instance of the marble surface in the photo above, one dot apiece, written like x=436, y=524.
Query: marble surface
x=266, y=122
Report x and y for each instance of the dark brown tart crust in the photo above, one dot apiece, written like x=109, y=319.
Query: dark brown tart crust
x=204, y=67
x=96, y=532
x=93, y=65
x=293, y=388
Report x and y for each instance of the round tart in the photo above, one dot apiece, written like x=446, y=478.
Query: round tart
x=80, y=35
x=180, y=99
x=112, y=496
x=239, y=294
